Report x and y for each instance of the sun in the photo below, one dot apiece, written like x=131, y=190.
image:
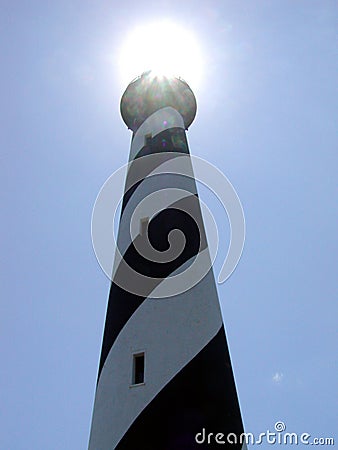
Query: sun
x=164, y=47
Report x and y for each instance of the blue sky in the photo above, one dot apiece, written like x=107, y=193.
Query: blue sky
x=266, y=112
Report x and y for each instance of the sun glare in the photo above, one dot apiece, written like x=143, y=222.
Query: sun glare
x=166, y=49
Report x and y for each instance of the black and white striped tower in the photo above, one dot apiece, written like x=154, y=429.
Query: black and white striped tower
x=165, y=380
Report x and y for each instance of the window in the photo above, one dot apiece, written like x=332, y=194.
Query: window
x=144, y=225
x=147, y=139
x=138, y=368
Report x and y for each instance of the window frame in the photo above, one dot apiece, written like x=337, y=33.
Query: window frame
x=134, y=378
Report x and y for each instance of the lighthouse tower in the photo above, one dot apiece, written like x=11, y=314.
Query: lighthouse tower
x=165, y=380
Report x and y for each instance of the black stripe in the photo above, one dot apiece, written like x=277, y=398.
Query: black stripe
x=169, y=144
x=170, y=140
x=122, y=304
x=162, y=181
x=201, y=395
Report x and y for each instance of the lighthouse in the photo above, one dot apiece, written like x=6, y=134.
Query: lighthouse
x=165, y=379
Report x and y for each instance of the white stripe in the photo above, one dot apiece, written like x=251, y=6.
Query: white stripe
x=148, y=187
x=171, y=332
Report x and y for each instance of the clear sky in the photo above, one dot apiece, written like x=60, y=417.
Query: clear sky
x=266, y=112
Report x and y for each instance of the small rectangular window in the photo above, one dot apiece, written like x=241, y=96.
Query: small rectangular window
x=147, y=139
x=138, y=368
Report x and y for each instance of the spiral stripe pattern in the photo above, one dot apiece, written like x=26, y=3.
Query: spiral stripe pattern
x=188, y=380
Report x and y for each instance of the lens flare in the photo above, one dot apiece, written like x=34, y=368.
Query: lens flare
x=164, y=48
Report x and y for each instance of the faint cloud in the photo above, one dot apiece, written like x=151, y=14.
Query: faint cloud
x=277, y=377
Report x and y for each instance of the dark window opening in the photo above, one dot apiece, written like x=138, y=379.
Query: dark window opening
x=138, y=368
x=147, y=139
x=144, y=222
